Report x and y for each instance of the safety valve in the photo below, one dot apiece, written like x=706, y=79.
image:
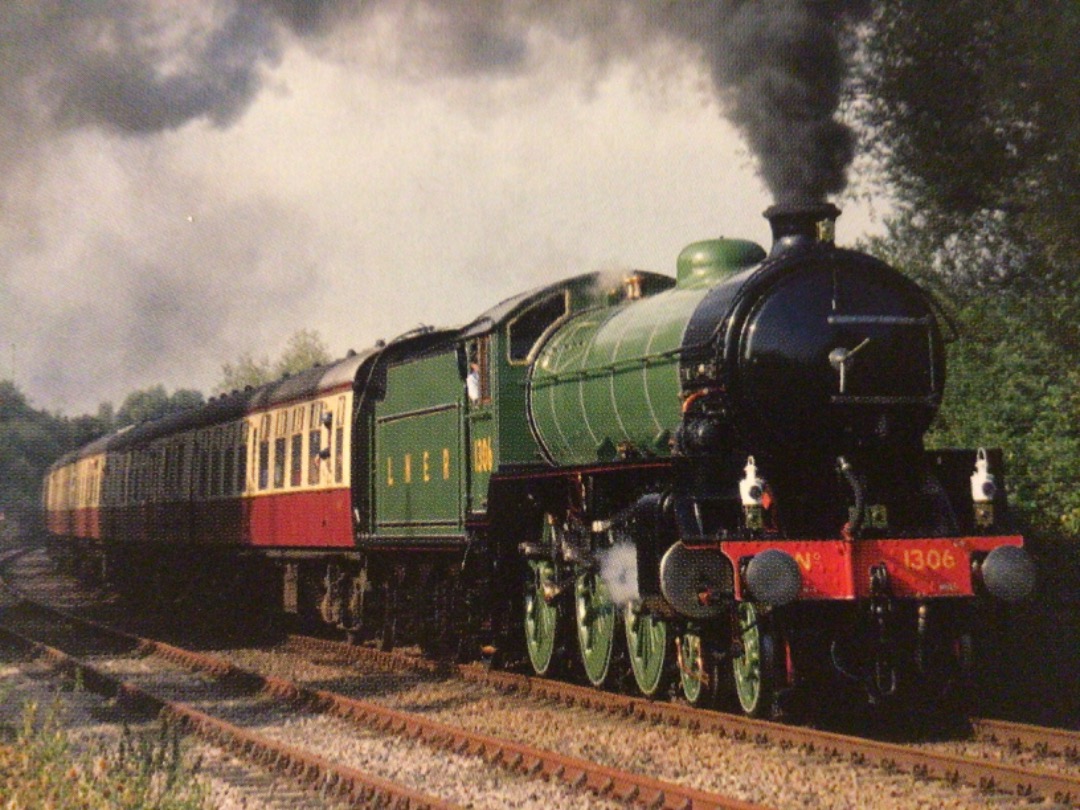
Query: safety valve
x=983, y=491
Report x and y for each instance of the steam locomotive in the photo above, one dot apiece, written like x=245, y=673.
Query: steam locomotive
x=715, y=483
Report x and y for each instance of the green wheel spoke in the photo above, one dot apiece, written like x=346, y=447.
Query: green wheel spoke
x=595, y=614
x=647, y=642
x=541, y=618
x=695, y=675
x=753, y=670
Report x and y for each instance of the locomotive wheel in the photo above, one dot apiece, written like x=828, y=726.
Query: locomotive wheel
x=698, y=671
x=541, y=617
x=595, y=615
x=755, y=669
x=648, y=640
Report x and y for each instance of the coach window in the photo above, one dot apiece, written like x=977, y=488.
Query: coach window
x=192, y=468
x=223, y=481
x=182, y=472
x=339, y=442
x=213, y=451
x=314, y=443
x=154, y=471
x=280, y=447
x=213, y=444
x=296, y=457
x=228, y=464
x=264, y=452
x=167, y=477
x=138, y=476
x=179, y=462
x=204, y=464
x=241, y=458
x=206, y=488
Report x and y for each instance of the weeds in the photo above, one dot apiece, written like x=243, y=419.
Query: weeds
x=40, y=769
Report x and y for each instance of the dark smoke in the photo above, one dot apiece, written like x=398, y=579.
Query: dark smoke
x=128, y=88
x=171, y=266
x=131, y=67
x=777, y=65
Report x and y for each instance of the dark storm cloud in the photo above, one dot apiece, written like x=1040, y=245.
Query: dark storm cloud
x=119, y=66
x=128, y=88
x=77, y=75
x=777, y=65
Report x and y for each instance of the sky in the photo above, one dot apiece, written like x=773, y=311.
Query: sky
x=183, y=183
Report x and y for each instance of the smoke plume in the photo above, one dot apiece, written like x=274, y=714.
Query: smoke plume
x=101, y=98
x=135, y=68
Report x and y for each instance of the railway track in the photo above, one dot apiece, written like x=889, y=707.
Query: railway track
x=1057, y=741
x=1062, y=786
x=225, y=682
x=1028, y=783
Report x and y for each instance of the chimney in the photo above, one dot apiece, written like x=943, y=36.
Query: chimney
x=798, y=226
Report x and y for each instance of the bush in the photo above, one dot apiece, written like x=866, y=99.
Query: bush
x=40, y=769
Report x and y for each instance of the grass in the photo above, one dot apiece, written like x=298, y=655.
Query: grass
x=41, y=769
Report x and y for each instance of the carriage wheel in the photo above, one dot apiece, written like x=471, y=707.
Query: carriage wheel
x=755, y=669
x=648, y=641
x=595, y=616
x=541, y=617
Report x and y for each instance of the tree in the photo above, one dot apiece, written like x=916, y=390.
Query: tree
x=247, y=370
x=304, y=349
x=30, y=440
x=973, y=117
x=155, y=402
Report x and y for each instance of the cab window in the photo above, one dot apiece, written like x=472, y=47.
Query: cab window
x=478, y=376
x=527, y=328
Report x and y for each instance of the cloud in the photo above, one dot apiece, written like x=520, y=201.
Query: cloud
x=181, y=183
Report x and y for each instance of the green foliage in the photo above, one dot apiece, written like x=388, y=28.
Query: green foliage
x=976, y=113
x=973, y=115
x=155, y=402
x=1012, y=383
x=304, y=349
x=31, y=440
x=1011, y=386
x=40, y=769
x=246, y=371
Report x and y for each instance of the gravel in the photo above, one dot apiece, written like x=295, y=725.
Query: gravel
x=742, y=769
